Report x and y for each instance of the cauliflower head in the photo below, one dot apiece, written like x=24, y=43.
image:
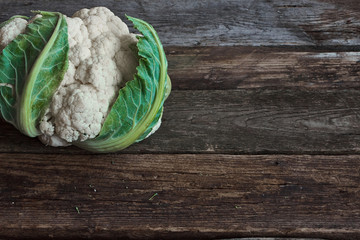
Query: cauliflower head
x=100, y=62
x=101, y=57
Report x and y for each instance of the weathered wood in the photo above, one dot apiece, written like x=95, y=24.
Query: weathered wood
x=197, y=196
x=259, y=77
x=261, y=67
x=226, y=22
x=241, y=121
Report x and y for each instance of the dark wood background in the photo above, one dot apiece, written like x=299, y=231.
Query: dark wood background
x=261, y=134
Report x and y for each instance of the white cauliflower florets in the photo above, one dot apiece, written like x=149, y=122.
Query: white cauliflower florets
x=11, y=30
x=100, y=61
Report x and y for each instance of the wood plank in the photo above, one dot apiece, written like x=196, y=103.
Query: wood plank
x=198, y=196
x=241, y=121
x=204, y=68
x=226, y=22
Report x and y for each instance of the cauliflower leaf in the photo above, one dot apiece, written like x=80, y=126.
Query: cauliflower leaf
x=31, y=68
x=139, y=105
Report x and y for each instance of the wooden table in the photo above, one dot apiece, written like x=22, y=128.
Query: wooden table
x=261, y=134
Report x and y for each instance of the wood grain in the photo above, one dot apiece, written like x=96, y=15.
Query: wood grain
x=252, y=121
x=198, y=196
x=278, y=77
x=226, y=22
x=202, y=68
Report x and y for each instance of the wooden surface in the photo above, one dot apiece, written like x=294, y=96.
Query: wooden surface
x=261, y=133
x=198, y=195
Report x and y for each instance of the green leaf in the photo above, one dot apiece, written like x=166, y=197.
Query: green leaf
x=10, y=20
x=139, y=105
x=31, y=69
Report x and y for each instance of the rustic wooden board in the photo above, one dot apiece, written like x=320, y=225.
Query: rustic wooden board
x=226, y=22
x=249, y=77
x=241, y=121
x=244, y=67
x=197, y=196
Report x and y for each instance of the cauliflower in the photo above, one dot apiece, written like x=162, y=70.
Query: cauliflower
x=100, y=60
x=11, y=30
